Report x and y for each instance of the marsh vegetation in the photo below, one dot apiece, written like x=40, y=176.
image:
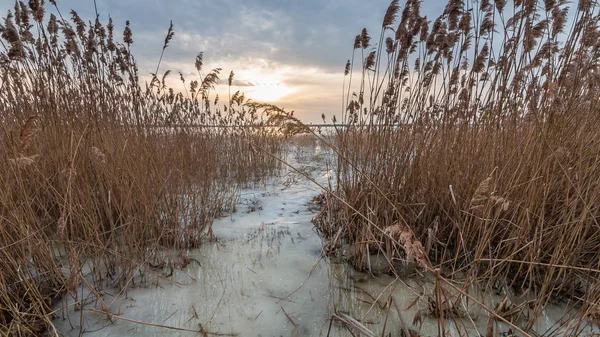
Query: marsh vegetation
x=464, y=166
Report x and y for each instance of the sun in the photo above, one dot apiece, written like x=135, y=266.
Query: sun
x=268, y=92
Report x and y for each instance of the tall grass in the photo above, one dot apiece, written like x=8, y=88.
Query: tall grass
x=100, y=174
x=476, y=134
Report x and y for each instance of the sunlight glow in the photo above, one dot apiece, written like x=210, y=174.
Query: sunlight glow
x=269, y=93
x=265, y=82
x=314, y=93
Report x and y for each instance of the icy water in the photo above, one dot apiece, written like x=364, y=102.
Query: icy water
x=266, y=276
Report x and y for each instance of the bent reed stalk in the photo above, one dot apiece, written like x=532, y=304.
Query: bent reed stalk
x=102, y=177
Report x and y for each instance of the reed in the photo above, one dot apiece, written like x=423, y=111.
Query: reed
x=472, y=138
x=101, y=175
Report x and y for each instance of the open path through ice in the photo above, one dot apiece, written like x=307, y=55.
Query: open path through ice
x=266, y=276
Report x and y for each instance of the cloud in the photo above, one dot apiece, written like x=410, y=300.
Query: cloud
x=303, y=45
x=307, y=33
x=238, y=83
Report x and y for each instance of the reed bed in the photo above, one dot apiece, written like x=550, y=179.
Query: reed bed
x=472, y=148
x=102, y=176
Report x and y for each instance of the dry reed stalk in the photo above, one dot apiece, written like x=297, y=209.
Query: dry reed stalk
x=168, y=327
x=414, y=249
x=99, y=155
x=353, y=325
x=27, y=134
x=23, y=161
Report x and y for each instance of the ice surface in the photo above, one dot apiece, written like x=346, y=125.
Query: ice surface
x=266, y=276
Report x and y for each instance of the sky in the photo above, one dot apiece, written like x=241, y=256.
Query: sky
x=288, y=52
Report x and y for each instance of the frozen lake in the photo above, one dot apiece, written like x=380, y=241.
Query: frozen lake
x=266, y=276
